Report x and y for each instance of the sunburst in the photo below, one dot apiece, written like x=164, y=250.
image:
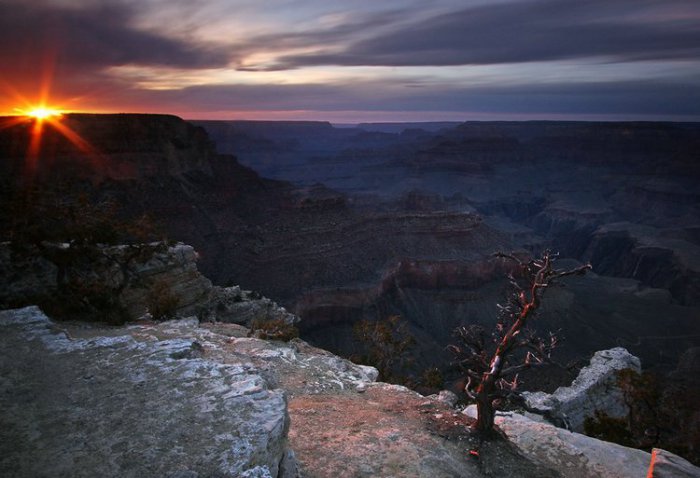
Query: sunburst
x=42, y=116
x=43, y=112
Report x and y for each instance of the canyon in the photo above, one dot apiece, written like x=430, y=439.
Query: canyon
x=339, y=225
x=344, y=224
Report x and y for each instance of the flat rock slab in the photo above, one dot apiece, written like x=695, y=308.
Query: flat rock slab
x=116, y=406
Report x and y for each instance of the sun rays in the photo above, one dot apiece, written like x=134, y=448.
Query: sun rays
x=44, y=120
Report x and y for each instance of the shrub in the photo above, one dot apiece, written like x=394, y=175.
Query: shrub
x=162, y=303
x=386, y=345
x=274, y=329
x=67, y=226
x=79, y=299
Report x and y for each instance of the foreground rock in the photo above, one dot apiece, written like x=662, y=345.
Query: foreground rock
x=572, y=454
x=579, y=456
x=187, y=400
x=595, y=389
x=117, y=406
x=668, y=465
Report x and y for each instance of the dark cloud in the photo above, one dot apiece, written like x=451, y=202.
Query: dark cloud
x=532, y=30
x=90, y=38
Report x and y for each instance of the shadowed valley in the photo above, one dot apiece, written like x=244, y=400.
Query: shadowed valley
x=352, y=223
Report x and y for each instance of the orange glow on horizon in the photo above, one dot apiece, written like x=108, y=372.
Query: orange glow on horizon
x=43, y=116
x=42, y=112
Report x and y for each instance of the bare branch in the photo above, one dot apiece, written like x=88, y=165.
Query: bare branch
x=515, y=347
x=511, y=257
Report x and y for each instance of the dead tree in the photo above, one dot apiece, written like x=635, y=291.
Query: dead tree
x=492, y=362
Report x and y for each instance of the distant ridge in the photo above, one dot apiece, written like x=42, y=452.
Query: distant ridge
x=257, y=127
x=398, y=127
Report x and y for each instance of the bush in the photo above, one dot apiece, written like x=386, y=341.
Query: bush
x=162, y=303
x=68, y=227
x=91, y=301
x=663, y=414
x=386, y=345
x=274, y=329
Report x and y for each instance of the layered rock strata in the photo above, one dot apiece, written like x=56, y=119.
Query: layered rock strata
x=130, y=274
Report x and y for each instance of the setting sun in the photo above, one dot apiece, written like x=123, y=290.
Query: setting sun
x=42, y=113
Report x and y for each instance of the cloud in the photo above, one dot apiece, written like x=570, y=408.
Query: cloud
x=337, y=35
x=91, y=37
x=624, y=98
x=531, y=30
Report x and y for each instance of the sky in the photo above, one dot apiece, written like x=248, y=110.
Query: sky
x=355, y=60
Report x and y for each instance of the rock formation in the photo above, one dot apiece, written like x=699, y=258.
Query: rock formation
x=185, y=399
x=181, y=399
x=132, y=273
x=124, y=406
x=414, y=242
x=595, y=389
x=572, y=454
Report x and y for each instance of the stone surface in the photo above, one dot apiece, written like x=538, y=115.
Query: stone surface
x=447, y=397
x=184, y=399
x=571, y=454
x=667, y=465
x=595, y=388
x=176, y=270
x=122, y=405
x=385, y=431
x=236, y=306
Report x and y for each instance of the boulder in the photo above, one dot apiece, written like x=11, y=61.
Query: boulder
x=571, y=454
x=576, y=455
x=447, y=397
x=667, y=465
x=595, y=389
x=127, y=403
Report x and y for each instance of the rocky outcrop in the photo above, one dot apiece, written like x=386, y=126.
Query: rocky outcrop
x=139, y=277
x=235, y=306
x=653, y=256
x=184, y=399
x=572, y=454
x=181, y=399
x=595, y=389
x=119, y=147
x=117, y=406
